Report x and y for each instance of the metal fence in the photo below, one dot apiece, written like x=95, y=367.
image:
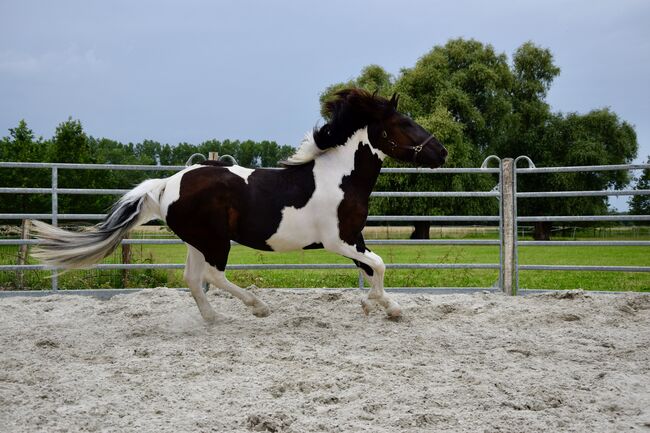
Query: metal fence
x=511, y=170
x=507, y=220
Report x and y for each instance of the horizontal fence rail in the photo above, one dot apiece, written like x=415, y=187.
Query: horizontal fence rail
x=508, y=250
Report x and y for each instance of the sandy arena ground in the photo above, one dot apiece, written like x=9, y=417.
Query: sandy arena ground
x=145, y=362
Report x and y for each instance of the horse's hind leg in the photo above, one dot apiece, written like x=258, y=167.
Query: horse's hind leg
x=195, y=267
x=218, y=279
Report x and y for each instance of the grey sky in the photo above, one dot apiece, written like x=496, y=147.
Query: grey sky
x=195, y=70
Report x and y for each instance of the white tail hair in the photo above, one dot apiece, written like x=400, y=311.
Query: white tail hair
x=72, y=250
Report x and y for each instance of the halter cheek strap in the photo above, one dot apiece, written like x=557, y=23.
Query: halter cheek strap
x=416, y=149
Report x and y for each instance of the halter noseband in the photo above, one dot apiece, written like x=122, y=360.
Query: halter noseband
x=416, y=149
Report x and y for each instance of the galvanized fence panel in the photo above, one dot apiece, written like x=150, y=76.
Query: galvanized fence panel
x=532, y=169
x=55, y=217
x=508, y=251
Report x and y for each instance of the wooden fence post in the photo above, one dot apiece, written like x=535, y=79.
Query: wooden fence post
x=126, y=259
x=507, y=211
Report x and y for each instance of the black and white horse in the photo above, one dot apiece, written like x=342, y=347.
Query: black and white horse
x=319, y=200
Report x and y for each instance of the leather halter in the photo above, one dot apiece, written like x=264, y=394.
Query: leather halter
x=416, y=149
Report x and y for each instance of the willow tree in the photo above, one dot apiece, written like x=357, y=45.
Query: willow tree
x=478, y=102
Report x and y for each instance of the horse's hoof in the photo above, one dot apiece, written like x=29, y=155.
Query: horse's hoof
x=365, y=305
x=261, y=311
x=394, y=312
x=211, y=319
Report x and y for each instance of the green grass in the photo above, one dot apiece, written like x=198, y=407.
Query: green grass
x=570, y=255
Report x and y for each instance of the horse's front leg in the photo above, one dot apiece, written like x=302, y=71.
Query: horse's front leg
x=373, y=268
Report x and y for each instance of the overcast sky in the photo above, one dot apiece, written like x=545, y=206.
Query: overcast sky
x=196, y=70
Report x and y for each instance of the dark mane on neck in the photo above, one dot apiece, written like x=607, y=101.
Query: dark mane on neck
x=349, y=111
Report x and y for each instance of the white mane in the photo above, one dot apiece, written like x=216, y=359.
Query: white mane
x=307, y=151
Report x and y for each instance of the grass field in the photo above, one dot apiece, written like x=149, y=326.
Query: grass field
x=571, y=255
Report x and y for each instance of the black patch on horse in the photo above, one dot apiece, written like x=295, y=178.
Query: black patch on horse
x=357, y=186
x=367, y=269
x=216, y=206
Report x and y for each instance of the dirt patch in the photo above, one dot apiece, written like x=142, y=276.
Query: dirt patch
x=484, y=362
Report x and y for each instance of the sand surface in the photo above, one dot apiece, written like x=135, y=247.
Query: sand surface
x=146, y=362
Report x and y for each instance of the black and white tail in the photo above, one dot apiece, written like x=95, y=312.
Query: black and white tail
x=72, y=250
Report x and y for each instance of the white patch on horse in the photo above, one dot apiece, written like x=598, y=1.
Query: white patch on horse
x=173, y=189
x=381, y=155
x=318, y=220
x=307, y=151
x=242, y=172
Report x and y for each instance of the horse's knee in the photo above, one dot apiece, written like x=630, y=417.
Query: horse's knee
x=193, y=279
x=380, y=267
x=376, y=264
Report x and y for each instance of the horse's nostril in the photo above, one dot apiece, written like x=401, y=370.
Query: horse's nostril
x=444, y=152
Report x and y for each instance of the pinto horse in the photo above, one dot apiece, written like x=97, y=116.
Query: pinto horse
x=318, y=200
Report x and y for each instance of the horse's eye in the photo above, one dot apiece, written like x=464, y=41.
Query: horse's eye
x=384, y=134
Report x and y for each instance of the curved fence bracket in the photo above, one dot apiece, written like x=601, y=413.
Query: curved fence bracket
x=228, y=159
x=531, y=164
x=487, y=160
x=191, y=158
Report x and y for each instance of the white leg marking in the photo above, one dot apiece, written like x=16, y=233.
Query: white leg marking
x=376, y=293
x=218, y=279
x=194, y=269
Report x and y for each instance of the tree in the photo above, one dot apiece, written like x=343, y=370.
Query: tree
x=21, y=145
x=640, y=204
x=596, y=138
x=440, y=94
x=478, y=104
x=70, y=144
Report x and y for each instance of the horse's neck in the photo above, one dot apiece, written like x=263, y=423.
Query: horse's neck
x=354, y=165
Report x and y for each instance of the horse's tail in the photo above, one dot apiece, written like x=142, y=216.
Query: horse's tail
x=71, y=250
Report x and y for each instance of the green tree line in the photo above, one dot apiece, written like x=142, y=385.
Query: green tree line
x=71, y=144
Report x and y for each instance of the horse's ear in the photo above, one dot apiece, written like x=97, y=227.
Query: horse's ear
x=394, y=100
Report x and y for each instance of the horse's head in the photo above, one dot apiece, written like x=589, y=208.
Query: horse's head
x=389, y=131
x=398, y=136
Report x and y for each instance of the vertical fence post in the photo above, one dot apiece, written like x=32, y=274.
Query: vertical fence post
x=531, y=164
x=484, y=165
x=55, y=217
x=508, y=268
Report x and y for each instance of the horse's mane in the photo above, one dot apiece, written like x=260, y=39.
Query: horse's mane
x=347, y=112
